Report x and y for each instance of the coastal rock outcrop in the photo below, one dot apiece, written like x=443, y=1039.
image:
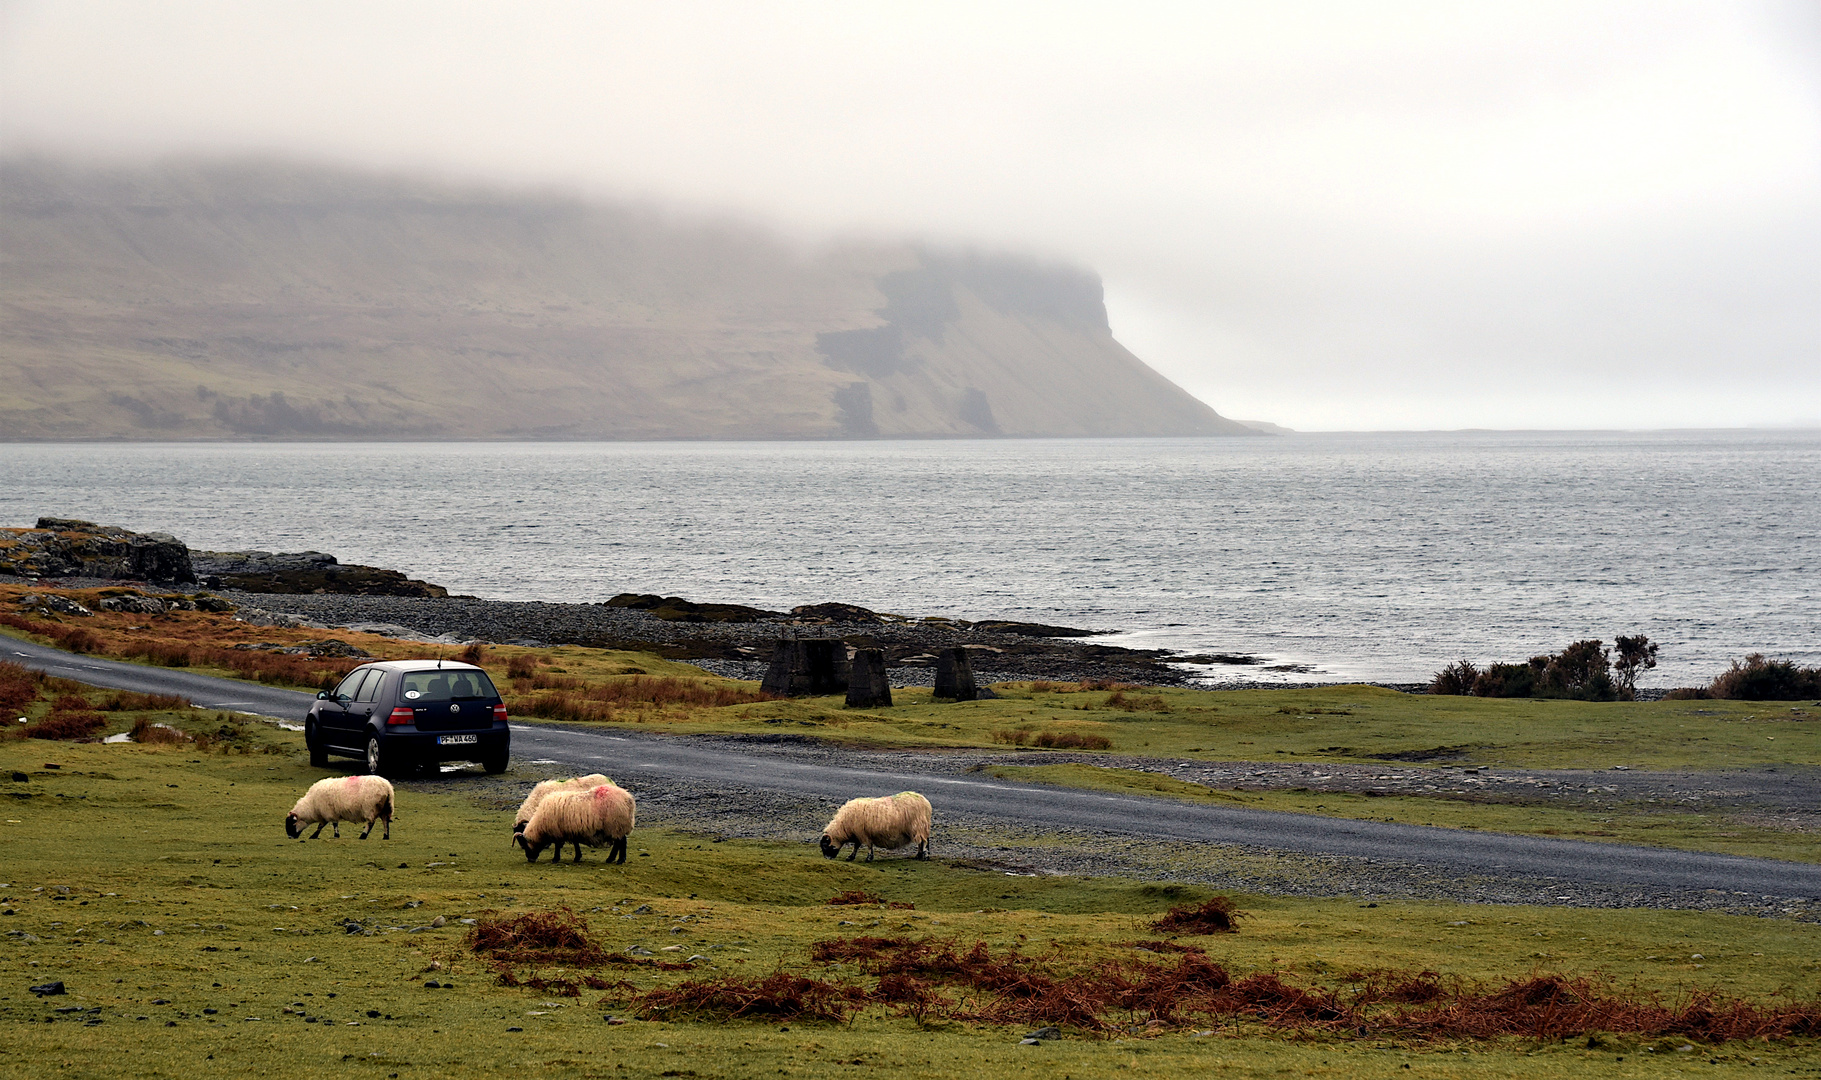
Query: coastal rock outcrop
x=69, y=547
x=303, y=572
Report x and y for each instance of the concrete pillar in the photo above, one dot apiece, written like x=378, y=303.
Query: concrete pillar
x=955, y=675
x=867, y=687
x=806, y=666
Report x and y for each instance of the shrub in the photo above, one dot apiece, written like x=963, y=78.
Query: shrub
x=1456, y=678
x=1014, y=738
x=1688, y=693
x=1759, y=679
x=1214, y=917
x=19, y=688
x=522, y=666
x=67, y=725
x=130, y=701
x=474, y=653
x=1582, y=671
x=1506, y=681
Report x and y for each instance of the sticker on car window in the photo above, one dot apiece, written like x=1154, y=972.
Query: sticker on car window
x=412, y=694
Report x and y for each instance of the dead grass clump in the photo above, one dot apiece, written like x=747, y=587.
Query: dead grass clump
x=1012, y=738
x=67, y=725
x=561, y=706
x=555, y=682
x=669, y=690
x=1072, y=740
x=860, y=897
x=131, y=701
x=19, y=688
x=778, y=996
x=522, y=666
x=474, y=653
x=69, y=703
x=538, y=937
x=144, y=731
x=1214, y=917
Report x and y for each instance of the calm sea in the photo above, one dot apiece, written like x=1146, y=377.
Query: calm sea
x=1378, y=556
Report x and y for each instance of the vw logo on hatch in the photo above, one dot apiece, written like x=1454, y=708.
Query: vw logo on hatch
x=455, y=708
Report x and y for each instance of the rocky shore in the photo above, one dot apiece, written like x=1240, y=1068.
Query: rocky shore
x=737, y=649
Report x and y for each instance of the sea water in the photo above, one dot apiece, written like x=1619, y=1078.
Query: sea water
x=1373, y=556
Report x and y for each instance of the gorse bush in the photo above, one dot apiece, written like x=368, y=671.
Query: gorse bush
x=1759, y=679
x=1584, y=671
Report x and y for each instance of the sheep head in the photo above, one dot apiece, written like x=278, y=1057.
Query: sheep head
x=531, y=853
x=292, y=829
x=829, y=850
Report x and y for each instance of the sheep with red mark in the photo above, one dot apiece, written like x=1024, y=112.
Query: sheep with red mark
x=339, y=799
x=601, y=816
x=890, y=822
x=547, y=788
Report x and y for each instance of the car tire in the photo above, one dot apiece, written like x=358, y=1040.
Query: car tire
x=380, y=761
x=319, y=754
x=495, y=763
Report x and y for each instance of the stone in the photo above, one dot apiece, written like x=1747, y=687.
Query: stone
x=955, y=675
x=303, y=572
x=133, y=602
x=836, y=613
x=61, y=605
x=802, y=666
x=49, y=989
x=867, y=686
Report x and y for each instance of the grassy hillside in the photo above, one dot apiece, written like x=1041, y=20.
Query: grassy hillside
x=267, y=300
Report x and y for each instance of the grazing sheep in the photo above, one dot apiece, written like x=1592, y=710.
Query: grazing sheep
x=339, y=799
x=601, y=815
x=547, y=788
x=891, y=821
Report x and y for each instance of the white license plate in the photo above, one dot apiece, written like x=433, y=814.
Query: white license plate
x=455, y=740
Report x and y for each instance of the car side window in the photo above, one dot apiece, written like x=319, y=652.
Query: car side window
x=371, y=690
x=351, y=684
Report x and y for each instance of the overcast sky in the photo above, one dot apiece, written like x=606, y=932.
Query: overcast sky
x=1372, y=214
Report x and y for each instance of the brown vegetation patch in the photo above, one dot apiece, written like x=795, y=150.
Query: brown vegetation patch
x=1214, y=917
x=860, y=897
x=778, y=996
x=1054, y=740
x=538, y=937
x=67, y=724
x=1112, y=995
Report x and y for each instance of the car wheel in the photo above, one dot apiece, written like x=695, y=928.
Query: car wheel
x=319, y=755
x=379, y=762
x=496, y=763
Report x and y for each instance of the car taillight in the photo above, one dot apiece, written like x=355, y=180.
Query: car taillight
x=401, y=715
x=499, y=714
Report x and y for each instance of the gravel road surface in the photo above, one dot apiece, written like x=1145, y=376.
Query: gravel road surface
x=784, y=788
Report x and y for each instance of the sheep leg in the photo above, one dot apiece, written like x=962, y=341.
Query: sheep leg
x=388, y=834
x=337, y=826
x=856, y=853
x=578, y=850
x=319, y=828
x=368, y=829
x=869, y=851
x=618, y=854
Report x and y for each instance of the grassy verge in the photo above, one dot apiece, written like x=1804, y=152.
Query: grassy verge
x=155, y=881
x=1689, y=831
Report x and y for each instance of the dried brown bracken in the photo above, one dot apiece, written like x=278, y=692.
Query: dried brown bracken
x=1214, y=917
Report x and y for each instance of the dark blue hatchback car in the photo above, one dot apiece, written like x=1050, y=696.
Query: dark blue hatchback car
x=402, y=715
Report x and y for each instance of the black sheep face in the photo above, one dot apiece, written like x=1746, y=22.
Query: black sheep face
x=531, y=853
x=292, y=829
x=829, y=850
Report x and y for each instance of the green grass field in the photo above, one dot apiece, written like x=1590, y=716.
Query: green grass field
x=144, y=874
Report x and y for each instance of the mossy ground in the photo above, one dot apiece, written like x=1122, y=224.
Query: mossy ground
x=181, y=887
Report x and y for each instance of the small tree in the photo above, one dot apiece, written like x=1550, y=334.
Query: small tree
x=1636, y=654
x=1582, y=670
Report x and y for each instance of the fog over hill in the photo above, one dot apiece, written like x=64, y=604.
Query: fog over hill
x=260, y=299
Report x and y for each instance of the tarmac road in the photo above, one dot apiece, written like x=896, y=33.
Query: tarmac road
x=650, y=759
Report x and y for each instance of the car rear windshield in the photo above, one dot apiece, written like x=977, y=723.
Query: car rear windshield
x=443, y=685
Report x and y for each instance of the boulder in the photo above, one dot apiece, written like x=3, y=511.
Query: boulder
x=677, y=609
x=49, y=602
x=132, y=602
x=836, y=613
x=69, y=547
x=303, y=572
